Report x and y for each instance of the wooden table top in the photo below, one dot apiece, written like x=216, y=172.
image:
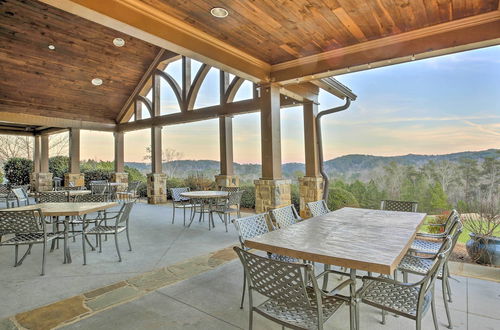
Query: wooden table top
x=65, y=209
x=205, y=194
x=370, y=240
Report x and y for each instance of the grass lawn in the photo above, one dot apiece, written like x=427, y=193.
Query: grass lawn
x=464, y=237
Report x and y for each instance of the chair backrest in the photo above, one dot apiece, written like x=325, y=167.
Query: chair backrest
x=100, y=188
x=252, y=226
x=20, y=194
x=125, y=212
x=230, y=189
x=452, y=218
x=318, y=208
x=280, y=281
x=4, y=189
x=19, y=222
x=71, y=188
x=284, y=216
x=92, y=198
x=403, y=206
x=98, y=182
x=176, y=193
x=132, y=186
x=53, y=197
x=234, y=198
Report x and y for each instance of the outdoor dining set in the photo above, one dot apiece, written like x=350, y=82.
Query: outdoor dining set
x=382, y=243
x=63, y=214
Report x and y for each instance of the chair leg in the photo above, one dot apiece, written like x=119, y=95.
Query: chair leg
x=244, y=288
x=73, y=232
x=448, y=286
x=118, y=248
x=43, y=257
x=325, y=277
x=433, y=309
x=16, y=254
x=225, y=220
x=128, y=240
x=173, y=215
x=405, y=277
x=445, y=292
x=100, y=243
x=84, y=238
x=250, y=319
x=383, y=316
x=184, y=209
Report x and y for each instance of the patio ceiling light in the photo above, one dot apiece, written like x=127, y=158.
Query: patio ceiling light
x=51, y=47
x=118, y=42
x=97, y=81
x=219, y=12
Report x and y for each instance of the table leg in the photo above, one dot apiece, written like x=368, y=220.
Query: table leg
x=353, y=307
x=67, y=254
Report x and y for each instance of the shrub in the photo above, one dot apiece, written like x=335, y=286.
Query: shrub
x=18, y=170
x=142, y=190
x=58, y=166
x=174, y=183
x=134, y=175
x=97, y=174
x=339, y=198
x=1, y=177
x=199, y=182
x=248, y=197
x=295, y=194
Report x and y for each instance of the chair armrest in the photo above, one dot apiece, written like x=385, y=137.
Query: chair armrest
x=430, y=235
x=339, y=287
x=391, y=281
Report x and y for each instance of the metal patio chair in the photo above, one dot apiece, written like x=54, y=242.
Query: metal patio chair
x=180, y=202
x=121, y=224
x=291, y=301
x=225, y=209
x=402, y=206
x=446, y=227
x=131, y=191
x=99, y=188
x=28, y=228
x=85, y=222
x=411, y=300
x=230, y=189
x=4, y=194
x=428, y=247
x=421, y=266
x=284, y=216
x=52, y=197
x=318, y=208
x=19, y=196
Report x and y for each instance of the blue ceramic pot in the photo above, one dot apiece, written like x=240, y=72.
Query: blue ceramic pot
x=484, y=250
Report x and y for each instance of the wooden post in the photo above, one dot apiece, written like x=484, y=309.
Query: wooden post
x=311, y=185
x=36, y=154
x=271, y=191
x=44, y=154
x=138, y=109
x=156, y=149
x=270, y=131
x=119, y=152
x=157, y=180
x=226, y=145
x=74, y=150
x=186, y=79
x=156, y=95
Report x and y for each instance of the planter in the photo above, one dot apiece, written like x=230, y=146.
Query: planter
x=484, y=250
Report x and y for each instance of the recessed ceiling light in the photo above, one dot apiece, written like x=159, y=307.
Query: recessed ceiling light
x=118, y=42
x=97, y=81
x=51, y=47
x=219, y=12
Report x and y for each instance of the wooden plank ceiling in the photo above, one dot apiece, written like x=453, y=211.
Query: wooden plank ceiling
x=57, y=83
x=279, y=31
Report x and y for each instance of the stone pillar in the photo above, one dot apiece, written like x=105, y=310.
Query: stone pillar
x=41, y=179
x=226, y=178
x=119, y=175
x=271, y=194
x=74, y=177
x=311, y=185
x=271, y=191
x=157, y=181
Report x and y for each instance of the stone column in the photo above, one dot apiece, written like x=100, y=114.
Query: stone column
x=157, y=181
x=119, y=175
x=41, y=179
x=271, y=191
x=226, y=178
x=74, y=175
x=311, y=185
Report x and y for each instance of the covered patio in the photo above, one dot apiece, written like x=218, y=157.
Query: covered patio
x=100, y=66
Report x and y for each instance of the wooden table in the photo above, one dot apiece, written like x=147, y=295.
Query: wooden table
x=359, y=239
x=66, y=210
x=206, y=195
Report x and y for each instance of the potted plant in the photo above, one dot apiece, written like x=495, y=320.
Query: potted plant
x=483, y=222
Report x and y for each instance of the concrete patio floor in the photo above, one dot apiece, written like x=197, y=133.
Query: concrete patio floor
x=156, y=243
x=179, y=278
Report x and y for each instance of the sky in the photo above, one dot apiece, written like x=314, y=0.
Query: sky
x=433, y=106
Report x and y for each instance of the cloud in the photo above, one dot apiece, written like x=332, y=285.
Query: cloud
x=412, y=119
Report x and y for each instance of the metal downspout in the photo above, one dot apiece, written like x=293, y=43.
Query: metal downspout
x=320, y=142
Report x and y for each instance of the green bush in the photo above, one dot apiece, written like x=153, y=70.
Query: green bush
x=58, y=166
x=248, y=197
x=97, y=174
x=294, y=191
x=18, y=170
x=1, y=177
x=339, y=198
x=134, y=175
x=174, y=183
x=142, y=190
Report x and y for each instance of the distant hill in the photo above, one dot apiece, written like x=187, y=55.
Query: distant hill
x=342, y=165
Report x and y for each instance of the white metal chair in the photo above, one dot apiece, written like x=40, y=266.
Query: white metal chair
x=402, y=206
x=284, y=216
x=179, y=202
x=225, y=208
x=318, y=208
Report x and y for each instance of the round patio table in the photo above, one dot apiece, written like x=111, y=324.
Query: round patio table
x=204, y=197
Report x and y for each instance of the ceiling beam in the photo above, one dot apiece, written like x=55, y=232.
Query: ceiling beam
x=302, y=92
x=446, y=38
x=229, y=109
x=36, y=120
x=140, y=20
x=16, y=132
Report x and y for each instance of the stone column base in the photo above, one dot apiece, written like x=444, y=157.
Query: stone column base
x=78, y=179
x=271, y=194
x=311, y=190
x=227, y=181
x=157, y=188
x=41, y=181
x=120, y=177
